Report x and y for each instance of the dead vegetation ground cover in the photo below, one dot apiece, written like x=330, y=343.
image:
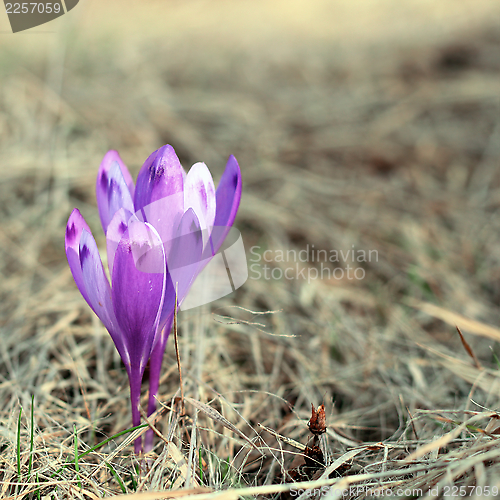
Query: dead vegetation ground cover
x=396, y=154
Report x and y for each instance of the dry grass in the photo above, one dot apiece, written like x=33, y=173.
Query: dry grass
x=396, y=154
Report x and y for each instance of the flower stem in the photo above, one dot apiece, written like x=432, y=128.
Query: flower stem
x=155, y=363
x=135, y=379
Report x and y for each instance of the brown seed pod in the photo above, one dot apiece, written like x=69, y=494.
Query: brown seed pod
x=317, y=423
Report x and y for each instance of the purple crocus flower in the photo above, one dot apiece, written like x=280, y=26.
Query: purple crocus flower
x=159, y=234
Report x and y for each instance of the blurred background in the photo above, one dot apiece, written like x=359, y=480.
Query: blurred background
x=364, y=124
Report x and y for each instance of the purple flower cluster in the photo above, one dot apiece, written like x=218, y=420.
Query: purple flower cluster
x=160, y=234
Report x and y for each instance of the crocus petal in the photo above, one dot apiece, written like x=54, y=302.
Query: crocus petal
x=114, y=188
x=159, y=197
x=228, y=196
x=138, y=293
x=116, y=230
x=184, y=260
x=161, y=176
x=98, y=290
x=199, y=195
x=185, y=257
x=88, y=273
x=76, y=224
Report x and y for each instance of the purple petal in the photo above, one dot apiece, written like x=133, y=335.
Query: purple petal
x=138, y=293
x=199, y=195
x=114, y=188
x=228, y=198
x=159, y=197
x=160, y=177
x=88, y=273
x=98, y=290
x=116, y=230
x=185, y=257
x=76, y=224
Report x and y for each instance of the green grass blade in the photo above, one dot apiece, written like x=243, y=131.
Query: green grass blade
x=77, y=465
x=121, y=433
x=200, y=462
x=31, y=435
x=37, y=492
x=495, y=357
x=19, y=444
x=117, y=477
x=99, y=445
x=133, y=481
